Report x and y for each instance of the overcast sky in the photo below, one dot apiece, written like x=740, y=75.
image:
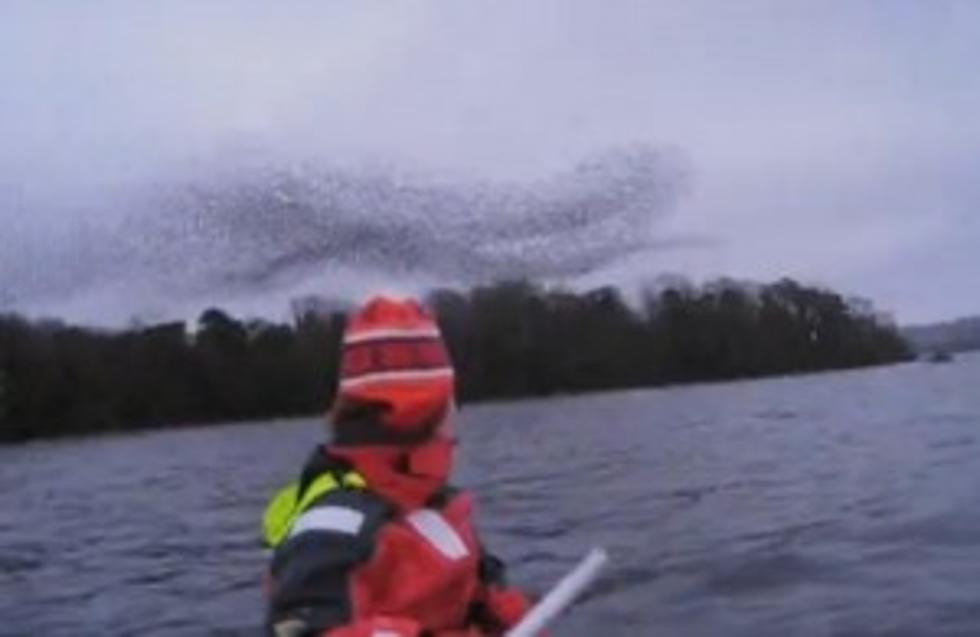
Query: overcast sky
x=837, y=142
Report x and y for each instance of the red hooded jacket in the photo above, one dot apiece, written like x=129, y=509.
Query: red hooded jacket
x=357, y=564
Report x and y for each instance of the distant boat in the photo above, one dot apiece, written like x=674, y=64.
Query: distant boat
x=940, y=356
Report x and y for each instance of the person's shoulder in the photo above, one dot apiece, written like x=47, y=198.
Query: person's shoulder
x=339, y=507
x=356, y=514
x=365, y=501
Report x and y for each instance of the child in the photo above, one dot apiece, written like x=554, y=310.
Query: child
x=371, y=540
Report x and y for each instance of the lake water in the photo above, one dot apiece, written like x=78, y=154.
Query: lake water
x=834, y=504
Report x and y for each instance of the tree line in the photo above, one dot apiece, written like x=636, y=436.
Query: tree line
x=507, y=340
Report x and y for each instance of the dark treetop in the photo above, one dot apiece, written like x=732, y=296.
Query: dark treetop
x=507, y=340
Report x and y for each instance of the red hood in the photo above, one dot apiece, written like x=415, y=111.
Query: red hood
x=408, y=477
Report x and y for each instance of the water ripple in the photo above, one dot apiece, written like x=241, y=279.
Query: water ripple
x=838, y=504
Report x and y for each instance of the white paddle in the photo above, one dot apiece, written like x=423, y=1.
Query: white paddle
x=561, y=596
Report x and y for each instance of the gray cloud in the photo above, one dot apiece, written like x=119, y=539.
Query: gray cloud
x=835, y=142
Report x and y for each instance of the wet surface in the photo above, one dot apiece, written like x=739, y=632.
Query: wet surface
x=835, y=504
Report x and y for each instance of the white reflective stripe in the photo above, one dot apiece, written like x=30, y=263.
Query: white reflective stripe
x=433, y=527
x=384, y=632
x=405, y=332
x=329, y=518
x=405, y=374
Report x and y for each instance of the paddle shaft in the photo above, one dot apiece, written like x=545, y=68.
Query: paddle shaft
x=561, y=596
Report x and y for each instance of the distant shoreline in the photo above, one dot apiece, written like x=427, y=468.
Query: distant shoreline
x=508, y=341
x=112, y=433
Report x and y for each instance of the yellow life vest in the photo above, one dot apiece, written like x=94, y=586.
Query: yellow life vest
x=288, y=503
